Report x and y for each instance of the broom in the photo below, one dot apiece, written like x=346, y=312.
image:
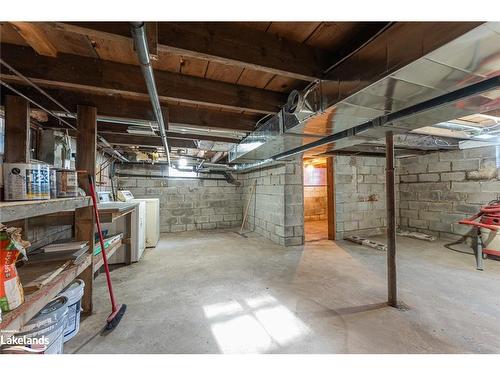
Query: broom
x=117, y=311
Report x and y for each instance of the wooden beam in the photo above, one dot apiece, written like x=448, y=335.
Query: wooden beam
x=106, y=129
x=106, y=77
x=17, y=130
x=140, y=109
x=146, y=140
x=86, y=142
x=330, y=192
x=36, y=37
x=226, y=43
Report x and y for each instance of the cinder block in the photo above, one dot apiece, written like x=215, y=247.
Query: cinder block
x=442, y=166
x=428, y=177
x=465, y=165
x=466, y=187
x=453, y=176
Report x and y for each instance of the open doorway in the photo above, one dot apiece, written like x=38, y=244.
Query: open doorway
x=318, y=208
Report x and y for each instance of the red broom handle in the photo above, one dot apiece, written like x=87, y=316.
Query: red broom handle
x=101, y=240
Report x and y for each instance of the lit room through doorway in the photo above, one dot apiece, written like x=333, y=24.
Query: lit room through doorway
x=315, y=199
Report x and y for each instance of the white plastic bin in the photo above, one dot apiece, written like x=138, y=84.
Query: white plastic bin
x=74, y=293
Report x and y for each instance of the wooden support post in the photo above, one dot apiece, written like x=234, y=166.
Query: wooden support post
x=86, y=141
x=17, y=138
x=17, y=130
x=330, y=191
x=391, y=221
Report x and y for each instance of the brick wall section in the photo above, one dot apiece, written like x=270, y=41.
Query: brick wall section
x=360, y=196
x=439, y=189
x=315, y=203
x=276, y=208
x=187, y=204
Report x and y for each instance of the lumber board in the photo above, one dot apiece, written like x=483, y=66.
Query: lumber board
x=224, y=43
x=16, y=210
x=36, y=37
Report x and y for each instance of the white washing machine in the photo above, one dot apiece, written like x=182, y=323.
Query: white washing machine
x=152, y=220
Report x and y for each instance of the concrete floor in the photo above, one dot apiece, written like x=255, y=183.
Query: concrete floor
x=218, y=292
x=316, y=230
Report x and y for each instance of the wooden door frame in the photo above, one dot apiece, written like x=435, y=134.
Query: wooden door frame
x=330, y=191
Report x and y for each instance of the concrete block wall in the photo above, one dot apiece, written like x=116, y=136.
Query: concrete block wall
x=359, y=196
x=315, y=203
x=439, y=189
x=276, y=208
x=187, y=204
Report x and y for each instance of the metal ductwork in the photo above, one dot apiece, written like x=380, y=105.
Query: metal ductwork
x=324, y=117
x=141, y=45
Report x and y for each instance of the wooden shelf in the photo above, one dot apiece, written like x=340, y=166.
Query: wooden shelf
x=17, y=210
x=34, y=302
x=98, y=261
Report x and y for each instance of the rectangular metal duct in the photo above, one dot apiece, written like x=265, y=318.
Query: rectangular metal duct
x=348, y=98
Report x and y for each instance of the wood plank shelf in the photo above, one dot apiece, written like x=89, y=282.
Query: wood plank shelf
x=10, y=211
x=34, y=302
x=110, y=251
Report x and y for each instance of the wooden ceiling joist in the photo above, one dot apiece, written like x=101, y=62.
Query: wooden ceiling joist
x=226, y=43
x=105, y=129
x=106, y=77
x=140, y=109
x=36, y=38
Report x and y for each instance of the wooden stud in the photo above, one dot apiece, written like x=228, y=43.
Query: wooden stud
x=330, y=191
x=86, y=141
x=17, y=130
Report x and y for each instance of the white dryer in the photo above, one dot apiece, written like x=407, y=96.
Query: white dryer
x=152, y=215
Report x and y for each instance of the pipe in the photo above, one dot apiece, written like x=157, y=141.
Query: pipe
x=466, y=128
x=32, y=84
x=392, y=291
x=106, y=143
x=38, y=105
x=141, y=44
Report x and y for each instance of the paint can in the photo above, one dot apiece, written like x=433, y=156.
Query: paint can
x=47, y=326
x=26, y=181
x=74, y=293
x=67, y=183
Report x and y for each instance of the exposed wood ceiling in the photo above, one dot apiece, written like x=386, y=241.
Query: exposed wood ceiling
x=211, y=75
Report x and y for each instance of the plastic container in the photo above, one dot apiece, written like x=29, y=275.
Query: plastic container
x=74, y=293
x=26, y=181
x=48, y=324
